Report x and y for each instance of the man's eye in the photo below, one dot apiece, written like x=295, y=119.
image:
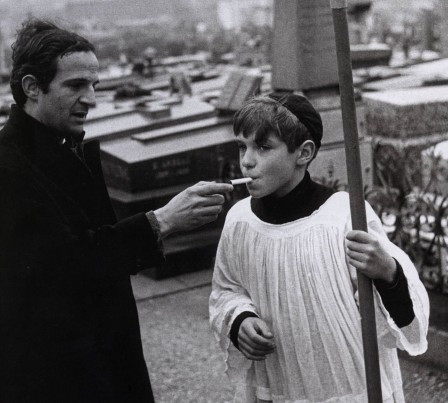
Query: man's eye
x=76, y=86
x=263, y=147
x=242, y=147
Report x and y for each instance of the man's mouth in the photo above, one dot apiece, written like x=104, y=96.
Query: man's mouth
x=80, y=114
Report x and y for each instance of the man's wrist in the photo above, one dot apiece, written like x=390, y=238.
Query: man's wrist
x=163, y=222
x=155, y=226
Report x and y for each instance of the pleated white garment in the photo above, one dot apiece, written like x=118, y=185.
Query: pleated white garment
x=295, y=277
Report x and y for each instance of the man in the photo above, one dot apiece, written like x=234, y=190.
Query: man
x=69, y=328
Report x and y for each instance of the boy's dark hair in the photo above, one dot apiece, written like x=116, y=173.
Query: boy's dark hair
x=36, y=50
x=291, y=117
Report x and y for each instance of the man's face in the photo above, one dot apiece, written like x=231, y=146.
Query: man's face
x=273, y=169
x=71, y=93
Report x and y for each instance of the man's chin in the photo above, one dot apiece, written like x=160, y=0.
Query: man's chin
x=75, y=130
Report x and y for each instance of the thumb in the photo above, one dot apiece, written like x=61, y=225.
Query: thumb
x=263, y=329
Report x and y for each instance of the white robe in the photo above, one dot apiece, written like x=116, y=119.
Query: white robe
x=296, y=278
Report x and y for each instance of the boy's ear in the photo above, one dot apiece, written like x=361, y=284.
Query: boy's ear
x=30, y=86
x=306, y=152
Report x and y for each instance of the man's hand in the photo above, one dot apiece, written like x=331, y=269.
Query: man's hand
x=195, y=206
x=366, y=254
x=255, y=340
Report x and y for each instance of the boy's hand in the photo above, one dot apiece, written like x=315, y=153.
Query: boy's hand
x=255, y=340
x=366, y=254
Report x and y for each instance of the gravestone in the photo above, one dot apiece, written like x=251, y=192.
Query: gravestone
x=303, y=49
x=304, y=61
x=239, y=87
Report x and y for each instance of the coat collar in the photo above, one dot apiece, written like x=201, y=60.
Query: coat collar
x=19, y=119
x=42, y=148
x=42, y=145
x=36, y=152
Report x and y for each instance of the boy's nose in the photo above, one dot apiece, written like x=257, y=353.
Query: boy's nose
x=247, y=160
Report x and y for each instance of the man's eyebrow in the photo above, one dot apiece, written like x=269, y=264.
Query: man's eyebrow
x=80, y=80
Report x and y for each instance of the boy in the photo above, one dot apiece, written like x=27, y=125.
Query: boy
x=283, y=302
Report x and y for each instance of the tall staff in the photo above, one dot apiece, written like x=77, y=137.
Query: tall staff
x=356, y=191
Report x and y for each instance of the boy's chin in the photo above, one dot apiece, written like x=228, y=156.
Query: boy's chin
x=256, y=195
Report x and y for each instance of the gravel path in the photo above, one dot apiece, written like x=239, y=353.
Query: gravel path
x=186, y=366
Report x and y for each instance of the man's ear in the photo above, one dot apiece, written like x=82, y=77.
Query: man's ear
x=30, y=86
x=306, y=152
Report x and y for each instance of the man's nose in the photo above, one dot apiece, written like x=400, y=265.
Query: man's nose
x=88, y=97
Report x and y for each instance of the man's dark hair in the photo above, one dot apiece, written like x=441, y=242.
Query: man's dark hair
x=38, y=46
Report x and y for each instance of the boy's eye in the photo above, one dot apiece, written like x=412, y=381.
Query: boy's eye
x=242, y=147
x=263, y=147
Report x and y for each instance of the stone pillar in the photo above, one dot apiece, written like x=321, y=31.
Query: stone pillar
x=304, y=60
x=2, y=54
x=427, y=29
x=303, y=49
x=443, y=29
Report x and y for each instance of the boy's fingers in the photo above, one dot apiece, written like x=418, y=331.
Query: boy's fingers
x=357, y=247
x=259, y=341
x=356, y=256
x=253, y=349
x=254, y=357
x=359, y=236
x=263, y=330
x=253, y=353
x=256, y=342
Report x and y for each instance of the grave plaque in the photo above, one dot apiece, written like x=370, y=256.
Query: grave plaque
x=239, y=87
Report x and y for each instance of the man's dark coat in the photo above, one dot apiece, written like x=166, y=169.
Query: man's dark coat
x=69, y=328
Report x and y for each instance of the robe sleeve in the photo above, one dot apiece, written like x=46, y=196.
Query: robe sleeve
x=410, y=338
x=228, y=300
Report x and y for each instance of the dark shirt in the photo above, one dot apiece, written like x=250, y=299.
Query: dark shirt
x=301, y=202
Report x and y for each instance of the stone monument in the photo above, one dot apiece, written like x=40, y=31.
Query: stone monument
x=303, y=49
x=304, y=60
x=442, y=10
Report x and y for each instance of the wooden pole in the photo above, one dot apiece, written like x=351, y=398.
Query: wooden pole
x=356, y=191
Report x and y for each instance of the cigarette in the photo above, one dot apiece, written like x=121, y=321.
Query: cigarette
x=240, y=181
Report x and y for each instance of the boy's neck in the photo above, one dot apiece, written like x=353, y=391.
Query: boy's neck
x=300, y=202
x=300, y=177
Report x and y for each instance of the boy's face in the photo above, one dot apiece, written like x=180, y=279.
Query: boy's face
x=273, y=169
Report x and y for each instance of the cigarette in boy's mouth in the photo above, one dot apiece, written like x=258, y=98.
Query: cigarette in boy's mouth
x=240, y=181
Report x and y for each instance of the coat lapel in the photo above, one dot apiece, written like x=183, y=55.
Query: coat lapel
x=57, y=163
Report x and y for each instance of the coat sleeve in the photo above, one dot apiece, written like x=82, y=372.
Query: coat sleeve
x=228, y=300
x=43, y=241
x=411, y=338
